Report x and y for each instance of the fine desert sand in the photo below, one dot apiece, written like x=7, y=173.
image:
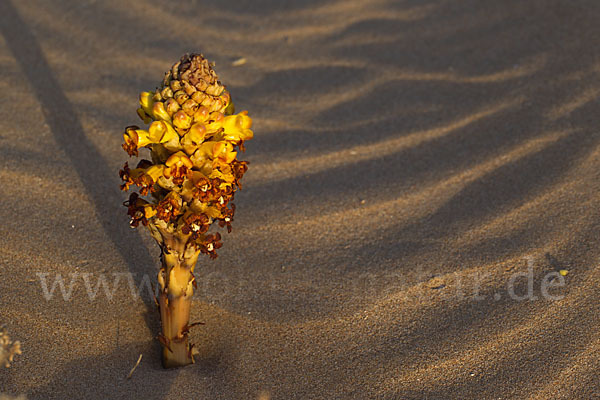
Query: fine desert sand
x=412, y=160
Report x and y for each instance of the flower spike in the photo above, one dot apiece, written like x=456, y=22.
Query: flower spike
x=190, y=178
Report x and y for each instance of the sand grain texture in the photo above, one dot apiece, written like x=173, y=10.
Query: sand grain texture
x=403, y=151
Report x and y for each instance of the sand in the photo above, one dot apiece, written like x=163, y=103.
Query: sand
x=409, y=159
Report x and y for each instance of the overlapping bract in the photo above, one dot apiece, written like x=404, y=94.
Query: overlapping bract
x=193, y=138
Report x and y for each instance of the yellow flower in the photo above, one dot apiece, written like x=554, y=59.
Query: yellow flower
x=134, y=139
x=237, y=128
x=172, y=106
x=159, y=112
x=182, y=121
x=149, y=211
x=168, y=208
x=223, y=151
x=146, y=101
x=192, y=140
x=145, y=117
x=204, y=208
x=161, y=132
x=143, y=176
x=178, y=166
x=139, y=210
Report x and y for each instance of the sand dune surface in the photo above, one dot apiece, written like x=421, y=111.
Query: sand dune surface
x=419, y=220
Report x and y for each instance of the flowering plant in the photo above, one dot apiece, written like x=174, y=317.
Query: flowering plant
x=193, y=140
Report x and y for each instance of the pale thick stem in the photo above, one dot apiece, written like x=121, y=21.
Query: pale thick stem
x=176, y=289
x=175, y=316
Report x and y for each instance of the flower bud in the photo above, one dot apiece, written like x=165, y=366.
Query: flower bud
x=182, y=121
x=159, y=112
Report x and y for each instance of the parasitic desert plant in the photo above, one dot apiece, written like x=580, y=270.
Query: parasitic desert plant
x=186, y=186
x=8, y=348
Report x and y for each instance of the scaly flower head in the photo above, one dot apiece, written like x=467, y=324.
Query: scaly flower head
x=193, y=139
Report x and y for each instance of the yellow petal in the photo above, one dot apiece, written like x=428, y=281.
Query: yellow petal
x=143, y=139
x=202, y=208
x=201, y=160
x=159, y=111
x=218, y=149
x=224, y=152
x=197, y=133
x=145, y=117
x=165, y=183
x=205, y=151
x=188, y=145
x=201, y=114
x=229, y=157
x=155, y=172
x=179, y=158
x=224, y=177
x=181, y=120
x=172, y=106
x=147, y=102
x=157, y=130
x=162, y=132
x=238, y=121
x=237, y=127
x=149, y=211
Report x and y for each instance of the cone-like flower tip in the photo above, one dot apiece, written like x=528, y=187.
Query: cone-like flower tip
x=196, y=69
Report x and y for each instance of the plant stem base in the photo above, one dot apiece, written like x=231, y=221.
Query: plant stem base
x=175, y=314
